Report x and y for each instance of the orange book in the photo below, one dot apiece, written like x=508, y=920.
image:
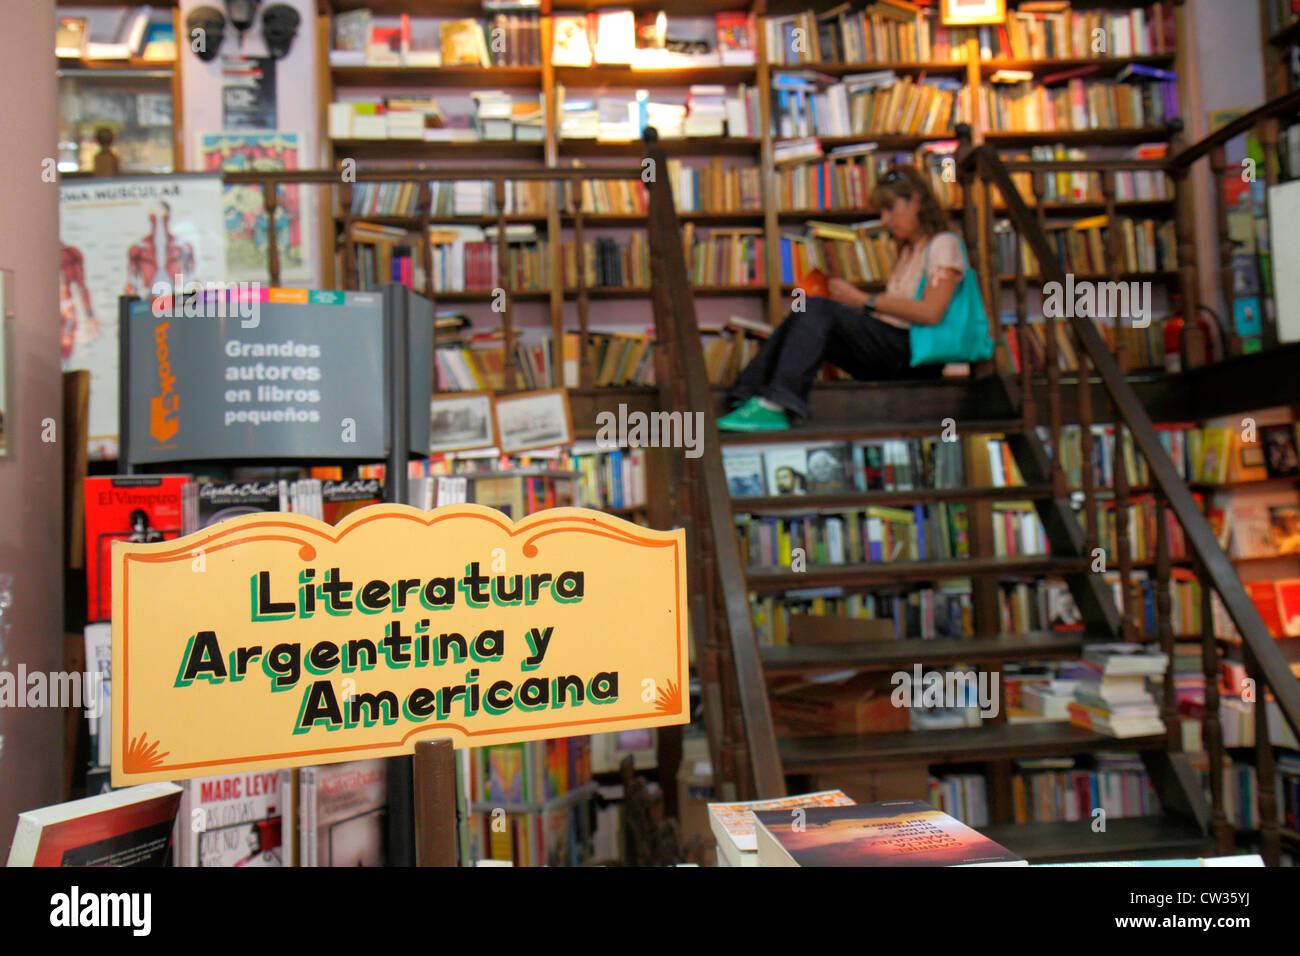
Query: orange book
x=814, y=282
x=1264, y=596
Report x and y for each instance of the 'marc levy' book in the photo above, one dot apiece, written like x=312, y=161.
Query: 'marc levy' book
x=890, y=833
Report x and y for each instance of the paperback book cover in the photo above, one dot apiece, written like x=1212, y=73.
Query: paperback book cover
x=890, y=833
x=235, y=819
x=344, y=813
x=121, y=508
x=218, y=501
x=340, y=498
x=733, y=823
x=129, y=827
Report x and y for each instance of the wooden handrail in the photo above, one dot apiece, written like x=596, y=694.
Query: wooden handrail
x=1279, y=106
x=675, y=306
x=1221, y=575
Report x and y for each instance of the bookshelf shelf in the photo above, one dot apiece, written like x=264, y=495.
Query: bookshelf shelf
x=413, y=222
x=1124, y=838
x=885, y=141
x=378, y=149
x=763, y=580
x=474, y=77
x=1165, y=275
x=133, y=64
x=863, y=499
x=1107, y=65
x=930, y=68
x=1002, y=139
x=886, y=655
x=689, y=146
x=583, y=77
x=959, y=745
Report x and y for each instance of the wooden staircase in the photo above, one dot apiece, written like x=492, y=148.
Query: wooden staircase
x=748, y=759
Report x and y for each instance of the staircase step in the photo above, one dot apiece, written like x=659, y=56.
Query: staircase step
x=853, y=575
x=821, y=430
x=1125, y=838
x=888, y=655
x=964, y=745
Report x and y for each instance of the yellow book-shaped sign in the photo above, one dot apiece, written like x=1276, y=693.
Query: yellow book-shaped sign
x=275, y=640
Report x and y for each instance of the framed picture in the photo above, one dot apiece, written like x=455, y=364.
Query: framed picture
x=533, y=420
x=460, y=421
x=964, y=13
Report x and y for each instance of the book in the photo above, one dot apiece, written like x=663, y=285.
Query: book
x=70, y=37
x=128, y=827
x=463, y=44
x=888, y=833
x=99, y=660
x=1125, y=659
x=1284, y=521
x=1288, y=606
x=786, y=471
x=827, y=470
x=126, y=508
x=733, y=823
x=343, y=814
x=1279, y=446
x=234, y=819
x=744, y=473
x=214, y=501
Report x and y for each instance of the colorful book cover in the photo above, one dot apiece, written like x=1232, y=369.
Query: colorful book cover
x=890, y=833
x=1288, y=605
x=339, y=498
x=744, y=473
x=234, y=819
x=347, y=815
x=828, y=470
x=121, y=508
x=506, y=779
x=1263, y=594
x=787, y=471
x=737, y=820
x=218, y=501
x=1280, y=457
x=1284, y=520
x=129, y=827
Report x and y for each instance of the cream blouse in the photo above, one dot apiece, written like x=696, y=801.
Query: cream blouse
x=945, y=253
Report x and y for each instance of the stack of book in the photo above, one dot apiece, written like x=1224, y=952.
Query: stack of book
x=1112, y=697
x=733, y=823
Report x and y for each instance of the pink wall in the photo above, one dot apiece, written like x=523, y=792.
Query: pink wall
x=31, y=475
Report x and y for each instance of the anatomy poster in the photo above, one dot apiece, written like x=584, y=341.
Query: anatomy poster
x=244, y=207
x=125, y=237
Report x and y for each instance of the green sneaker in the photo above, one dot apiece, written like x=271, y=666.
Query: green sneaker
x=753, y=417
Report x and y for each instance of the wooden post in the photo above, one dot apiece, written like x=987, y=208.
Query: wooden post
x=435, y=803
x=1268, y=137
x=1211, y=728
x=1169, y=704
x=1219, y=164
x=269, y=200
x=510, y=361
x=1265, y=773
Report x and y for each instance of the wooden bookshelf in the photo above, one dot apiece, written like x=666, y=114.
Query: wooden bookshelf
x=547, y=78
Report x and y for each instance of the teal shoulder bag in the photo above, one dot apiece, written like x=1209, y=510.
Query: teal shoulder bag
x=963, y=333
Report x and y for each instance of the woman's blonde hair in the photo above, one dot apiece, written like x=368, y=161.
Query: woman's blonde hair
x=904, y=182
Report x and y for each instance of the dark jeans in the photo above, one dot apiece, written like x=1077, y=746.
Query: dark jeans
x=827, y=331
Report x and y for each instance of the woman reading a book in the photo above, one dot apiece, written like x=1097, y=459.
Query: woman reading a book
x=865, y=334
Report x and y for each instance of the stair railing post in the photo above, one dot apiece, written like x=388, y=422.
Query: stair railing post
x=1123, y=547
x=1164, y=630
x=1211, y=727
x=1267, y=132
x=1219, y=166
x=1265, y=770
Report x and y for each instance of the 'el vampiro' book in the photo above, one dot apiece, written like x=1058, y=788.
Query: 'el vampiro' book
x=136, y=508
x=890, y=833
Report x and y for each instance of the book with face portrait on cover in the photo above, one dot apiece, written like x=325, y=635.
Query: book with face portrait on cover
x=889, y=833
